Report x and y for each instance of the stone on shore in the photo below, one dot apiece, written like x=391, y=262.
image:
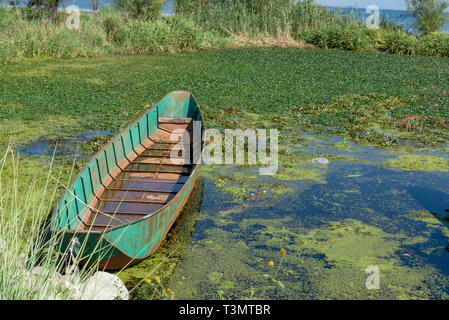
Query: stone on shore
x=104, y=286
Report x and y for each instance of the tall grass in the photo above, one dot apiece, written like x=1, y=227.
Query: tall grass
x=234, y=17
x=25, y=242
x=165, y=35
x=26, y=37
x=433, y=44
x=213, y=24
x=22, y=37
x=347, y=37
x=35, y=262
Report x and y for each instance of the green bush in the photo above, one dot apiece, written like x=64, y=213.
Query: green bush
x=26, y=39
x=433, y=44
x=188, y=35
x=346, y=37
x=145, y=36
x=165, y=35
x=397, y=42
x=111, y=21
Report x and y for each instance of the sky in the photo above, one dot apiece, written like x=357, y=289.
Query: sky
x=382, y=4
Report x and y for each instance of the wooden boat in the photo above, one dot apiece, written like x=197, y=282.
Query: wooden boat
x=125, y=200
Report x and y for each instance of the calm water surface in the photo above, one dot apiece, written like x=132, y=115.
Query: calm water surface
x=349, y=215
x=334, y=221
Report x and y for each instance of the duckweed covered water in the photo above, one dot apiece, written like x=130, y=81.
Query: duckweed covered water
x=367, y=207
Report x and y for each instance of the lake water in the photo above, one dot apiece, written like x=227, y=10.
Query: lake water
x=396, y=16
x=334, y=222
x=68, y=147
x=168, y=8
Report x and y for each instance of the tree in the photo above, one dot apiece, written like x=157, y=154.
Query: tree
x=49, y=6
x=141, y=8
x=190, y=6
x=53, y=6
x=38, y=4
x=94, y=5
x=430, y=15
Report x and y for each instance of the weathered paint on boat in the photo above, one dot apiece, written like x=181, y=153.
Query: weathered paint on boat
x=75, y=214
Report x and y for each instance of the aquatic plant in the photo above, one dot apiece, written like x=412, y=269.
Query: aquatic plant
x=151, y=278
x=25, y=241
x=418, y=162
x=96, y=143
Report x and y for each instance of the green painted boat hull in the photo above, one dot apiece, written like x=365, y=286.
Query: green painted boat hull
x=127, y=244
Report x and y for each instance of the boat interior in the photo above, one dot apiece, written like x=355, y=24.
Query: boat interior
x=147, y=180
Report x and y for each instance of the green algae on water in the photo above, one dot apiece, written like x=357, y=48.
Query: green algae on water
x=321, y=263
x=162, y=264
x=300, y=173
x=418, y=162
x=352, y=246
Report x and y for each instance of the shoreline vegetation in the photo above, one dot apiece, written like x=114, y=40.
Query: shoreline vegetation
x=28, y=33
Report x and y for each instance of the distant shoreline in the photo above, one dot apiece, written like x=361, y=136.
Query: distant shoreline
x=394, y=15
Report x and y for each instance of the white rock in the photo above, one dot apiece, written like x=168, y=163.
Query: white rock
x=74, y=289
x=39, y=271
x=52, y=285
x=103, y=286
x=320, y=160
x=72, y=271
x=49, y=280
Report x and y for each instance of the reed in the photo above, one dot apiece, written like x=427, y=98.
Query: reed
x=206, y=25
x=24, y=242
x=170, y=34
x=25, y=37
x=35, y=265
x=231, y=17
